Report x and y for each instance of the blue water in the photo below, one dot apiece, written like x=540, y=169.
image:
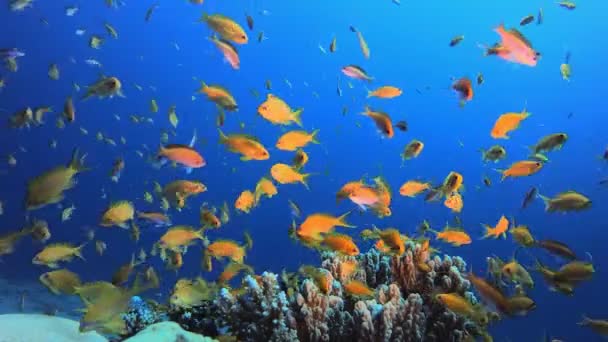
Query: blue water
x=409, y=49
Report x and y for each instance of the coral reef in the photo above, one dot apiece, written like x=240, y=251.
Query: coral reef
x=402, y=308
x=141, y=315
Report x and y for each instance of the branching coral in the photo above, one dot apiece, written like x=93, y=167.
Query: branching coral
x=319, y=308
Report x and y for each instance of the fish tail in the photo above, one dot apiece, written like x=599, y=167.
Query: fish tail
x=145, y=281
x=77, y=163
x=545, y=199
x=201, y=233
x=296, y=116
x=488, y=229
x=314, y=136
x=248, y=241
x=342, y=220
x=304, y=180
x=204, y=18
x=501, y=171
x=78, y=251
x=585, y=320
x=223, y=137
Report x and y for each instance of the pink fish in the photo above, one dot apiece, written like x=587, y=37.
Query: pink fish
x=356, y=72
x=516, y=48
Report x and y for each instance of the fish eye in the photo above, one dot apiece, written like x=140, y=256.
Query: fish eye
x=244, y=37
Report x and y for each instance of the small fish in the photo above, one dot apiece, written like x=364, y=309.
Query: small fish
x=111, y=30
x=67, y=213
x=249, y=22
x=95, y=42
x=333, y=45
x=456, y=40
x=53, y=72
x=93, y=62
x=362, y=43
x=540, y=17
x=480, y=79
x=150, y=11
x=526, y=20
x=567, y=5
x=262, y=37
x=71, y=11
x=80, y=32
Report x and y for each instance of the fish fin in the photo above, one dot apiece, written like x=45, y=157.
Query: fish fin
x=305, y=180
x=77, y=163
x=193, y=140
x=487, y=234
x=314, y=136
x=341, y=220
x=123, y=225
x=501, y=171
x=296, y=116
x=545, y=199
x=585, y=320
x=223, y=137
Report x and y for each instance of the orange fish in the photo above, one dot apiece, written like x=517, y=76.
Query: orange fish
x=341, y=243
x=413, y=188
x=316, y=224
x=321, y=277
x=454, y=236
x=506, y=123
x=178, y=237
x=219, y=95
x=285, y=174
x=386, y=92
x=248, y=146
x=232, y=270
x=384, y=195
x=226, y=249
x=365, y=197
x=226, y=27
x=348, y=189
x=392, y=240
x=230, y=53
x=521, y=169
x=245, y=202
x=382, y=120
x=358, y=289
x=265, y=187
x=209, y=218
x=464, y=88
x=184, y=155
x=499, y=231
x=294, y=140
x=278, y=112
x=519, y=48
x=454, y=202
x=347, y=268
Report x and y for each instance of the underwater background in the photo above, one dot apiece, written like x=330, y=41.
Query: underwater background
x=410, y=49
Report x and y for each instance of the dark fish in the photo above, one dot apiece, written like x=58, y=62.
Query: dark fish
x=526, y=20
x=539, y=18
x=338, y=88
x=456, y=40
x=480, y=79
x=604, y=182
x=250, y=22
x=567, y=58
x=433, y=194
x=530, y=196
x=402, y=125
x=605, y=155
x=487, y=182
x=570, y=115
x=556, y=248
x=344, y=110
x=268, y=85
x=332, y=45
x=150, y=11
x=261, y=37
